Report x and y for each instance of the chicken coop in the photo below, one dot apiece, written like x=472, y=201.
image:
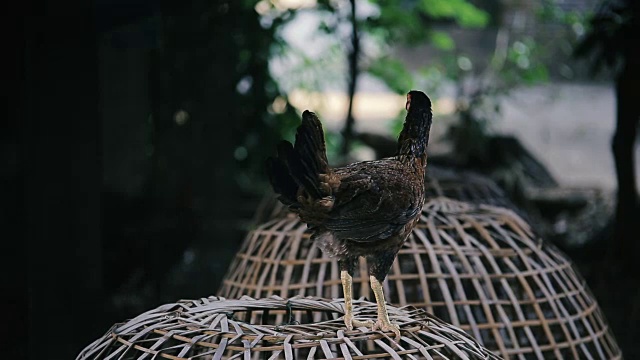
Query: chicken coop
x=276, y=328
x=479, y=267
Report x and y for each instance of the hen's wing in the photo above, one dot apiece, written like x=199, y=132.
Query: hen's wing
x=374, y=201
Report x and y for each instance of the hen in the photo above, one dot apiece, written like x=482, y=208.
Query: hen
x=364, y=209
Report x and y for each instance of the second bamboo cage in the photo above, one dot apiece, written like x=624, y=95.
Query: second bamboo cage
x=478, y=267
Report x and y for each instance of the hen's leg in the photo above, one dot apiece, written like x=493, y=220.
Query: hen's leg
x=379, y=266
x=347, y=267
x=383, y=322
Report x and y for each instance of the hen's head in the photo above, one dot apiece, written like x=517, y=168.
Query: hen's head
x=417, y=100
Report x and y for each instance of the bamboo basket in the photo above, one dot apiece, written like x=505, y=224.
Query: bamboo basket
x=478, y=267
x=216, y=328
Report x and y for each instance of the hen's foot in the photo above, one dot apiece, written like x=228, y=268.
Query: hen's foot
x=350, y=322
x=384, y=326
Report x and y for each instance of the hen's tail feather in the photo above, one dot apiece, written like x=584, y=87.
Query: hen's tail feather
x=310, y=144
x=281, y=180
x=300, y=165
x=312, y=153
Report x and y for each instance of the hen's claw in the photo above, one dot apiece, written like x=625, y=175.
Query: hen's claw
x=350, y=322
x=385, y=326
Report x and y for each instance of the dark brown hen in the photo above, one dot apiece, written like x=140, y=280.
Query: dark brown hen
x=364, y=209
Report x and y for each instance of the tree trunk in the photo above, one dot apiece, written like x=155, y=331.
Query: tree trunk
x=347, y=132
x=628, y=117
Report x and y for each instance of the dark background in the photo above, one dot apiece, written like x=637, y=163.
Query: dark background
x=110, y=204
x=74, y=235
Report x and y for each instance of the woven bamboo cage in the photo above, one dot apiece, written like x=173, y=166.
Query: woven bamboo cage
x=478, y=267
x=216, y=328
x=439, y=182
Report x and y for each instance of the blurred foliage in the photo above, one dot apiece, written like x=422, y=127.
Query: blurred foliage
x=520, y=58
x=611, y=34
x=214, y=108
x=409, y=24
x=224, y=84
x=385, y=26
x=268, y=65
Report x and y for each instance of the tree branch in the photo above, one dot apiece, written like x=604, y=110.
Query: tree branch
x=354, y=54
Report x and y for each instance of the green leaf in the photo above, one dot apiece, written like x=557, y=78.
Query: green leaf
x=472, y=17
x=536, y=74
x=393, y=73
x=442, y=40
x=463, y=12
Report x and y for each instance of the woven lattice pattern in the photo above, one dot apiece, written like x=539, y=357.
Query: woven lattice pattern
x=439, y=182
x=216, y=328
x=477, y=267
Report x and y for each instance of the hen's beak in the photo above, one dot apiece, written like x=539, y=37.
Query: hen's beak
x=408, y=105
